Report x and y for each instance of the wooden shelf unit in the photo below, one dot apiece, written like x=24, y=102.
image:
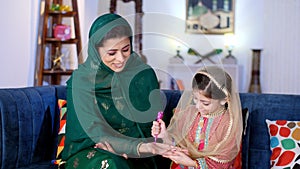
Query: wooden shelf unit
x=46, y=37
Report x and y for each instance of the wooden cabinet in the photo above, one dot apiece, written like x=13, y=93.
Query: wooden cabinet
x=53, y=35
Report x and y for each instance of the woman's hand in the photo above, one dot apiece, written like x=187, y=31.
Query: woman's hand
x=155, y=148
x=158, y=129
x=106, y=146
x=180, y=156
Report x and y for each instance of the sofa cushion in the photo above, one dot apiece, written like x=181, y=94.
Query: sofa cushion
x=284, y=139
x=256, y=142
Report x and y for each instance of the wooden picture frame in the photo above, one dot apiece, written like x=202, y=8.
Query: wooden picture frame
x=210, y=16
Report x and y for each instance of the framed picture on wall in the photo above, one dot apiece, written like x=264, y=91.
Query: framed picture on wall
x=210, y=16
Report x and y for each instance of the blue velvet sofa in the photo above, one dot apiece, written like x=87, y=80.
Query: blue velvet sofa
x=29, y=120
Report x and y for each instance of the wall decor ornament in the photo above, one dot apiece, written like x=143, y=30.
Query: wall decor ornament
x=177, y=58
x=207, y=56
x=230, y=43
x=210, y=16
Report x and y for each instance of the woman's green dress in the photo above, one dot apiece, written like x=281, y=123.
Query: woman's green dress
x=107, y=106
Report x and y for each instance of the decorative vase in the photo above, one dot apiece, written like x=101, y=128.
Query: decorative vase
x=255, y=74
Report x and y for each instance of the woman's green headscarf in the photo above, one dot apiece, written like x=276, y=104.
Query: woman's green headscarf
x=104, y=105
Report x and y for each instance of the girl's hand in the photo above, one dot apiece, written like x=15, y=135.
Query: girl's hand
x=106, y=146
x=180, y=156
x=158, y=129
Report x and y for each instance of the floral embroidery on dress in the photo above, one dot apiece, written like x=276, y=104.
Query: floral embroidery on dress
x=105, y=106
x=75, y=163
x=104, y=164
x=119, y=105
x=91, y=154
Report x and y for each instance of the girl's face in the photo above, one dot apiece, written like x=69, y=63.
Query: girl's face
x=206, y=105
x=115, y=53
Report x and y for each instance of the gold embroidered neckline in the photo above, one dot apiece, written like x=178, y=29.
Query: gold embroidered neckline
x=215, y=114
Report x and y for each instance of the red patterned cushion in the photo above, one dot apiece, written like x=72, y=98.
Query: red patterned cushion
x=284, y=143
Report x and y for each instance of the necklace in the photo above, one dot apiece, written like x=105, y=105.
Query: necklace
x=203, y=127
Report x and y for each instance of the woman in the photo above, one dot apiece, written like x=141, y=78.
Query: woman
x=207, y=123
x=112, y=99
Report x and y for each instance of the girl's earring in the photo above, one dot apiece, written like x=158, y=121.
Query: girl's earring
x=223, y=102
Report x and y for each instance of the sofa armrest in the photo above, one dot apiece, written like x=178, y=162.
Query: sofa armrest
x=28, y=118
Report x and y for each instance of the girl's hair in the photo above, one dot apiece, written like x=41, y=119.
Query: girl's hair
x=209, y=88
x=116, y=32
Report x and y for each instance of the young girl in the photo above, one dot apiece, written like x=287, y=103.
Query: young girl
x=207, y=124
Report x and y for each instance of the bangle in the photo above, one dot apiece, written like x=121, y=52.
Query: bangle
x=138, y=147
x=197, y=164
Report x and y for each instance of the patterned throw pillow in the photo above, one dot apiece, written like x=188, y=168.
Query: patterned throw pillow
x=62, y=105
x=284, y=143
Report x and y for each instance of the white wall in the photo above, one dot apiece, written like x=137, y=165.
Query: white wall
x=164, y=31
x=17, y=42
x=281, y=61
x=253, y=29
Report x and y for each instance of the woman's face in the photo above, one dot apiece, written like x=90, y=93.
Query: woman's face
x=206, y=105
x=115, y=53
